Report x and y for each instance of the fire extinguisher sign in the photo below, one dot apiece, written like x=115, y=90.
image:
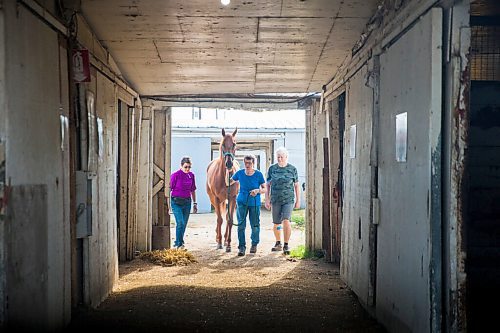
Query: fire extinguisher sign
x=81, y=65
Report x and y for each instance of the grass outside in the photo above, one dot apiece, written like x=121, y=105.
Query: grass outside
x=298, y=218
x=300, y=252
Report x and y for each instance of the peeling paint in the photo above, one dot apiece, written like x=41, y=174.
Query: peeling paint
x=459, y=184
x=463, y=97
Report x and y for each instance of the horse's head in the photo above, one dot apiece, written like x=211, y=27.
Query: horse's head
x=228, y=148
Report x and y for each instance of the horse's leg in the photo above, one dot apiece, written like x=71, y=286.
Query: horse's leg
x=218, y=228
x=229, y=225
x=223, y=213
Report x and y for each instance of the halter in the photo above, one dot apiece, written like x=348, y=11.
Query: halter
x=228, y=153
x=231, y=158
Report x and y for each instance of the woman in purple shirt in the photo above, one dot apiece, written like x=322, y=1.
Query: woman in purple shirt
x=183, y=188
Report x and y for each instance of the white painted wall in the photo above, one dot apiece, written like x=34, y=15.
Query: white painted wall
x=199, y=149
x=102, y=252
x=357, y=186
x=406, y=206
x=36, y=86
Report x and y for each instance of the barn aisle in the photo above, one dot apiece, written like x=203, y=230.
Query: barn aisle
x=222, y=292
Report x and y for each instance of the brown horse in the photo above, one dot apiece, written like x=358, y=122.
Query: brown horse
x=218, y=172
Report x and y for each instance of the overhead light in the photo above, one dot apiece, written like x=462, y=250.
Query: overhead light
x=225, y=2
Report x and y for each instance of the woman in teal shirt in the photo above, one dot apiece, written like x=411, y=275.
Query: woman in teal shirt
x=252, y=184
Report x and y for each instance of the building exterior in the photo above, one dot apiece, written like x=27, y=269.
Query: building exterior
x=259, y=133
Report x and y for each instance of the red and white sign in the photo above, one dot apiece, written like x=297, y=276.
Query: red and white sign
x=81, y=66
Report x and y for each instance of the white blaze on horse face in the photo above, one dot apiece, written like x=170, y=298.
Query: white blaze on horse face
x=228, y=148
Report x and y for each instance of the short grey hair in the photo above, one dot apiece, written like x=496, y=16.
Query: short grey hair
x=281, y=151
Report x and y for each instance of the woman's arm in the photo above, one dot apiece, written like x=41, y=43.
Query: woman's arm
x=195, y=204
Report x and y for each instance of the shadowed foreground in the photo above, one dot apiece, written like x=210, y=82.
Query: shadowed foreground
x=222, y=292
x=310, y=297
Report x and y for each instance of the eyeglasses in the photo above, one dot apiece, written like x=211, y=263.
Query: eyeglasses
x=186, y=167
x=248, y=162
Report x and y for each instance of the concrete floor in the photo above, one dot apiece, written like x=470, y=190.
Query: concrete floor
x=222, y=292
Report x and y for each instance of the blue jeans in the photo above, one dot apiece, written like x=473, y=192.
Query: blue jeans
x=181, y=214
x=254, y=217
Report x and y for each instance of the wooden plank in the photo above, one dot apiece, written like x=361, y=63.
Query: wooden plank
x=138, y=137
x=123, y=176
x=335, y=158
x=144, y=200
x=158, y=171
x=158, y=187
x=168, y=163
x=327, y=236
x=159, y=161
x=135, y=115
x=141, y=225
x=309, y=180
x=150, y=152
x=320, y=129
x=76, y=274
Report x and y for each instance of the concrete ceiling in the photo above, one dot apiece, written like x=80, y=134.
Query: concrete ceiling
x=173, y=47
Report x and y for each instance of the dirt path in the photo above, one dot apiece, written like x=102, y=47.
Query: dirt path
x=265, y=291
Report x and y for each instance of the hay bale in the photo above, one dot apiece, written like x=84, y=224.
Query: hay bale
x=170, y=257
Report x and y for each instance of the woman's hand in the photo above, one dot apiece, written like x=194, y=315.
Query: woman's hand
x=268, y=203
x=195, y=208
x=297, y=204
x=254, y=192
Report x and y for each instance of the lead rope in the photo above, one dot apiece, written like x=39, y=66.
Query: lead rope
x=228, y=196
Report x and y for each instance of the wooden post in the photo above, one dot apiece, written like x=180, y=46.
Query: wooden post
x=123, y=178
x=161, y=229
x=327, y=237
x=309, y=181
x=168, y=162
x=159, y=167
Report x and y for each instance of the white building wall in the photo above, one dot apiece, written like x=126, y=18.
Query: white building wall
x=199, y=149
x=101, y=246
x=295, y=143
